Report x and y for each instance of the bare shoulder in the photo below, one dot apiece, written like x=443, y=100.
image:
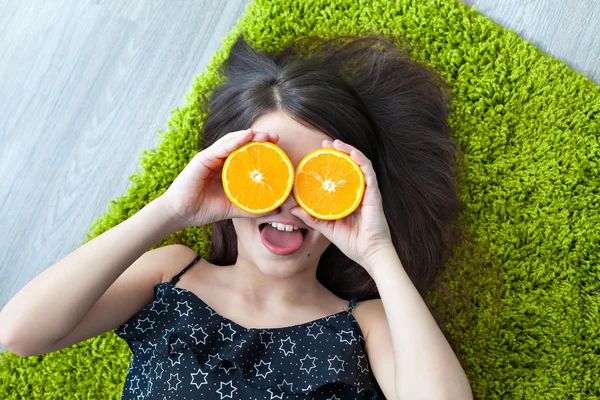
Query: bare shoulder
x=173, y=258
x=369, y=313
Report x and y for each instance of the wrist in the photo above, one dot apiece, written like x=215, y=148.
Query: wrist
x=171, y=221
x=379, y=259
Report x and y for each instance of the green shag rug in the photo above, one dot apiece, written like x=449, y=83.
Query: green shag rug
x=529, y=128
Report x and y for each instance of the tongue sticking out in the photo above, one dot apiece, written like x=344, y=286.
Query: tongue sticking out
x=281, y=242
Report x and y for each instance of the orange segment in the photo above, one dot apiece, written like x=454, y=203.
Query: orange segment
x=258, y=177
x=329, y=184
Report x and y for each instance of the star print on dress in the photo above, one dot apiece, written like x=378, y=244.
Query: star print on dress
x=227, y=389
x=160, y=307
x=181, y=312
x=196, y=381
x=229, y=332
x=156, y=371
x=225, y=368
x=275, y=396
x=257, y=366
x=312, y=360
x=289, y=346
x=147, y=321
x=176, y=376
x=201, y=338
x=336, y=361
x=312, y=330
x=185, y=350
x=363, y=363
x=262, y=338
x=210, y=360
x=284, y=383
x=166, y=335
x=178, y=356
x=345, y=335
x=135, y=380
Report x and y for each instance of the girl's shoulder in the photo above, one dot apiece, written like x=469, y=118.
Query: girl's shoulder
x=178, y=258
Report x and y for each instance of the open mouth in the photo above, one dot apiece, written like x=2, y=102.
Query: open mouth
x=281, y=239
x=302, y=230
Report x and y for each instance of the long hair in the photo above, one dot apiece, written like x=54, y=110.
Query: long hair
x=368, y=92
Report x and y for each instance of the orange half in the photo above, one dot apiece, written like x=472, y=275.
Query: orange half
x=328, y=184
x=257, y=177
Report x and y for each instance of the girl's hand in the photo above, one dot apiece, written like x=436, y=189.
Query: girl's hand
x=365, y=231
x=196, y=197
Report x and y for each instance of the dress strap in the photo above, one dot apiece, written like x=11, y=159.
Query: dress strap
x=175, y=279
x=352, y=304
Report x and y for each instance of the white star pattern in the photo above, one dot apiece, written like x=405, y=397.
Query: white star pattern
x=337, y=370
x=312, y=359
x=204, y=381
x=161, y=371
x=176, y=376
x=195, y=331
x=211, y=311
x=262, y=362
x=164, y=307
x=146, y=365
x=285, y=383
x=232, y=332
x=173, y=363
x=270, y=338
x=275, y=396
x=145, y=320
x=210, y=357
x=176, y=343
x=292, y=344
x=227, y=369
x=230, y=395
x=135, y=380
x=315, y=325
x=165, y=336
x=182, y=313
x=362, y=358
x=346, y=334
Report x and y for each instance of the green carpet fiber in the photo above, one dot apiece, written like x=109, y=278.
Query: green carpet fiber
x=526, y=309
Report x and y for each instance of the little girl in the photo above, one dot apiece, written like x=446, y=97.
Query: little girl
x=331, y=310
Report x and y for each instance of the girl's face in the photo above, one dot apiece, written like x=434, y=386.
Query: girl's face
x=275, y=253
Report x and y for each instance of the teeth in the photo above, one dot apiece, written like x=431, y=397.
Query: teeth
x=283, y=227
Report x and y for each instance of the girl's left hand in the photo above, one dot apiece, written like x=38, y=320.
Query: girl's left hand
x=365, y=231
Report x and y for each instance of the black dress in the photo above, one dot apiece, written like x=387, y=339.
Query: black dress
x=183, y=350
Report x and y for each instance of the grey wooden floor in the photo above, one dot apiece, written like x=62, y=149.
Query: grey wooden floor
x=86, y=84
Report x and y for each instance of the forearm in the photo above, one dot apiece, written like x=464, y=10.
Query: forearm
x=425, y=364
x=55, y=301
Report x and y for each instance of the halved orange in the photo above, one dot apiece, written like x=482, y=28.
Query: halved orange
x=329, y=184
x=257, y=177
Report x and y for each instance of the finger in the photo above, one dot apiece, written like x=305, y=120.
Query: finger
x=339, y=145
x=367, y=167
x=218, y=151
x=312, y=222
x=365, y=164
x=327, y=144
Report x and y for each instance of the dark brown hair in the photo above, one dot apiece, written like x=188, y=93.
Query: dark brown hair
x=368, y=92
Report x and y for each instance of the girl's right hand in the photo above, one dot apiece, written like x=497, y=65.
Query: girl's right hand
x=196, y=197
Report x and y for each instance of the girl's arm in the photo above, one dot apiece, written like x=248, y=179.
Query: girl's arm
x=425, y=367
x=57, y=300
